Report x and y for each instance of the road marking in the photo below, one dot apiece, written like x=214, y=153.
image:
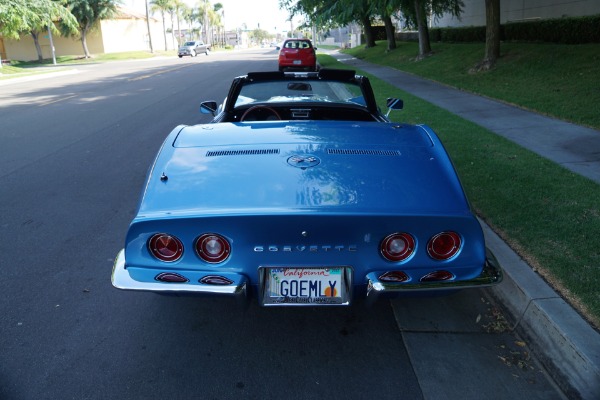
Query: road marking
x=57, y=100
x=139, y=78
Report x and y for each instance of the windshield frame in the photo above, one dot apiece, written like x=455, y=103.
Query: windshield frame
x=363, y=93
x=292, y=91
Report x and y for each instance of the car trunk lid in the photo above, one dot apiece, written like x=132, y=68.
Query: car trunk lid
x=294, y=167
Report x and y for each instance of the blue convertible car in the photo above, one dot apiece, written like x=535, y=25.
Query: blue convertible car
x=302, y=192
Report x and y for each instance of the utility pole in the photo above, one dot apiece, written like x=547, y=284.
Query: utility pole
x=51, y=45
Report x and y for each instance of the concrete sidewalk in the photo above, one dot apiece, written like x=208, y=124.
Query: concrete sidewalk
x=562, y=340
x=575, y=147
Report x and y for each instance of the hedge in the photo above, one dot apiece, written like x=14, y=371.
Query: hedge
x=569, y=30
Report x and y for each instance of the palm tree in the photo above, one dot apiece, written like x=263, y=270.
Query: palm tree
x=148, y=25
x=180, y=12
x=220, y=16
x=203, y=17
x=187, y=13
x=88, y=14
x=162, y=6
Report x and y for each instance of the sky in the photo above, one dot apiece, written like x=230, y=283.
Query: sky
x=256, y=13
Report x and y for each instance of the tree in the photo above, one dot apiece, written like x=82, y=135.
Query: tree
x=492, y=34
x=50, y=14
x=259, y=35
x=148, y=26
x=162, y=6
x=88, y=14
x=180, y=10
x=220, y=16
x=171, y=10
x=417, y=13
x=17, y=16
x=385, y=9
x=389, y=32
x=421, y=20
x=341, y=12
x=34, y=17
x=189, y=15
x=202, y=17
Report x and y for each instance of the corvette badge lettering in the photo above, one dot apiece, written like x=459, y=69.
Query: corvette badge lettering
x=308, y=249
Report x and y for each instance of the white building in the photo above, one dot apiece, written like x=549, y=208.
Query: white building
x=520, y=10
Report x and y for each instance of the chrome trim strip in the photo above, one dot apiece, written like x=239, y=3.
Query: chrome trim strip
x=122, y=280
x=490, y=275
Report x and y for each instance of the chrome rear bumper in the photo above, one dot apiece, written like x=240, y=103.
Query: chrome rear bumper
x=121, y=279
x=490, y=275
x=239, y=288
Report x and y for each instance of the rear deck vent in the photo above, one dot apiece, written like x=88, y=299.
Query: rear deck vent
x=254, y=152
x=364, y=152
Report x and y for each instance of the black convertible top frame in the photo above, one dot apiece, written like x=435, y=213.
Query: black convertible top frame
x=328, y=74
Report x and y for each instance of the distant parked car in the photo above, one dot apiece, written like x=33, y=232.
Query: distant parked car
x=297, y=54
x=193, y=48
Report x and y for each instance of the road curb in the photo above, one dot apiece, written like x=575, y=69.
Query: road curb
x=566, y=345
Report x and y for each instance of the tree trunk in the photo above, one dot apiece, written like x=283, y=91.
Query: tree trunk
x=421, y=15
x=368, y=32
x=86, y=52
x=172, y=32
x=84, y=32
x=164, y=30
x=148, y=25
x=492, y=32
x=389, y=32
x=36, y=41
x=178, y=32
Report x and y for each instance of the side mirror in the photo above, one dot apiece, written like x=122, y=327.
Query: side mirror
x=394, y=104
x=208, y=107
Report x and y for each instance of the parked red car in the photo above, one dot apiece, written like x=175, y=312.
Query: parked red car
x=297, y=54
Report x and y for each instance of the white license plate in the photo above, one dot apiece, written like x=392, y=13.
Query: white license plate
x=297, y=62
x=305, y=286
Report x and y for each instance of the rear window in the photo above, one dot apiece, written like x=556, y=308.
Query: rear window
x=297, y=44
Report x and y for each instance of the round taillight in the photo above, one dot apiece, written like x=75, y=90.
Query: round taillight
x=397, y=247
x=444, y=245
x=213, y=248
x=165, y=247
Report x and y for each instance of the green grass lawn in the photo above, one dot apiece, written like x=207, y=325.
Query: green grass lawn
x=20, y=68
x=548, y=214
x=554, y=79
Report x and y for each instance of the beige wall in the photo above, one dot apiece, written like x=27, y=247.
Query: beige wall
x=132, y=35
x=113, y=36
x=24, y=48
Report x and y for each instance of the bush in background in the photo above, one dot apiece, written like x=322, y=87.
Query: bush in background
x=569, y=30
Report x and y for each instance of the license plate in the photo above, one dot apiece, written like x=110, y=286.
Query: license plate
x=297, y=62
x=305, y=286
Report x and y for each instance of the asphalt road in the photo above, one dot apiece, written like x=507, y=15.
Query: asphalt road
x=74, y=150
